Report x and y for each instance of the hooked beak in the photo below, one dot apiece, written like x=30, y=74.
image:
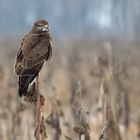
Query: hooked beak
x=45, y=28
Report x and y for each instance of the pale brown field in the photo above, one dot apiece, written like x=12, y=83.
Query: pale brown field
x=73, y=82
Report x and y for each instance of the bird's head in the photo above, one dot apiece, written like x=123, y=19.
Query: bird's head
x=41, y=26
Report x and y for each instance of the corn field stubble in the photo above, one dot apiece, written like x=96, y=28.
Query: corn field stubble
x=73, y=85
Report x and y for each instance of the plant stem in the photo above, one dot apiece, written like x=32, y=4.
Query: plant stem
x=37, y=106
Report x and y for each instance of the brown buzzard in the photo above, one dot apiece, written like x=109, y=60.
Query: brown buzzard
x=34, y=49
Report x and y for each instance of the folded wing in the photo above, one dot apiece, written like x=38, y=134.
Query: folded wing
x=30, y=58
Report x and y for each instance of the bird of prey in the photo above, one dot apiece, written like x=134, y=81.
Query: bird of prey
x=34, y=49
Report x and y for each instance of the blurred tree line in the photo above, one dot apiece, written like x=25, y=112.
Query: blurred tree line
x=72, y=16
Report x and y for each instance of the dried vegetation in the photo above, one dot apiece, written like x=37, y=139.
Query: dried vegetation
x=91, y=91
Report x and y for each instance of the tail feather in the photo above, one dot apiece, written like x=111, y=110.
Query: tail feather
x=24, y=82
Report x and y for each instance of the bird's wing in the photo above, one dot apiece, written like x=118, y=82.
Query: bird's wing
x=30, y=56
x=32, y=53
x=18, y=64
x=49, y=53
x=19, y=54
